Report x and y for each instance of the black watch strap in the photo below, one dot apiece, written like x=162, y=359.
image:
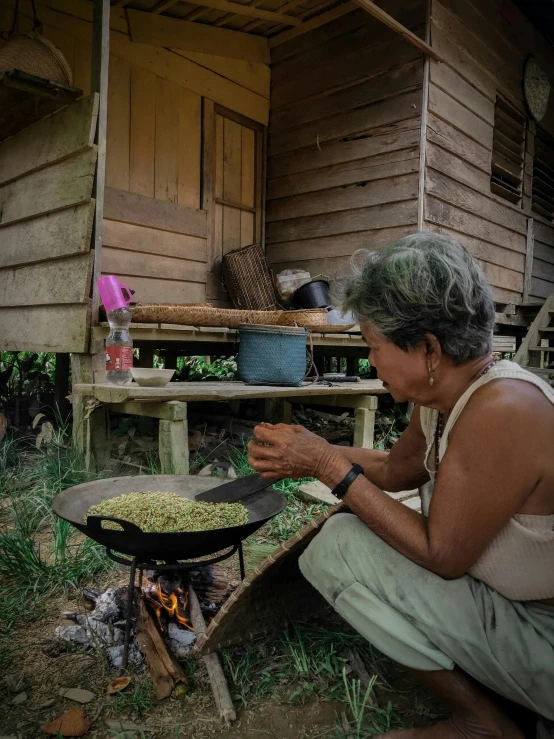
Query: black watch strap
x=340, y=490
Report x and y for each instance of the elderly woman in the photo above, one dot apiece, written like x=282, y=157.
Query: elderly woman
x=463, y=594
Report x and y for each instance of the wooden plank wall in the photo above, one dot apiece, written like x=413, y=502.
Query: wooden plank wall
x=343, y=141
x=154, y=144
x=485, y=46
x=46, y=177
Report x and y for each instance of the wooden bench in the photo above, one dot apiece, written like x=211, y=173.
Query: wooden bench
x=92, y=403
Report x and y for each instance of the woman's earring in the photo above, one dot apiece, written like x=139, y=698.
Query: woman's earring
x=431, y=378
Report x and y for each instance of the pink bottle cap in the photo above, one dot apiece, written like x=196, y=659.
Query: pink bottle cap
x=111, y=294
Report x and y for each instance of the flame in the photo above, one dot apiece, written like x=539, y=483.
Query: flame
x=171, y=604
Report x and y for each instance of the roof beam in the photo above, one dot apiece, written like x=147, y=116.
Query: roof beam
x=238, y=9
x=174, y=33
x=319, y=20
x=389, y=21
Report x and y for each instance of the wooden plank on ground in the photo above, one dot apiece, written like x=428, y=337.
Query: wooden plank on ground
x=143, y=132
x=190, y=148
x=167, y=141
x=46, y=328
x=175, y=33
x=131, y=208
x=153, y=241
x=57, y=137
x=118, y=132
x=403, y=187
x=129, y=263
x=58, y=186
x=63, y=233
x=47, y=283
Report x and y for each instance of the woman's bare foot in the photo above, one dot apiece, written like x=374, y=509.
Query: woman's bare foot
x=456, y=728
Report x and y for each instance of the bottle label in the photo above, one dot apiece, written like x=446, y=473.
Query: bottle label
x=119, y=358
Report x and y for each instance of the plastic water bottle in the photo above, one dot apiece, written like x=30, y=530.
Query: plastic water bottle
x=119, y=345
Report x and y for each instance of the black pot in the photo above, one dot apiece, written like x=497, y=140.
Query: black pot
x=313, y=294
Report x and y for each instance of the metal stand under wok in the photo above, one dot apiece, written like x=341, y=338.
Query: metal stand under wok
x=134, y=564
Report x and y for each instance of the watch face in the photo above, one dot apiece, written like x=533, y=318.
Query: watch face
x=536, y=85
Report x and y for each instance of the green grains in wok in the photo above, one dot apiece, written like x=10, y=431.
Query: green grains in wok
x=167, y=512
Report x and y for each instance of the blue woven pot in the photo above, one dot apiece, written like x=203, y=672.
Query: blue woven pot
x=275, y=355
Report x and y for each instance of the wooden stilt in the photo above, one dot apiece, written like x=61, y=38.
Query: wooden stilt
x=173, y=446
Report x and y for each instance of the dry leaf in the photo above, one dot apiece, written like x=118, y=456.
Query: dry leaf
x=119, y=684
x=70, y=723
x=37, y=418
x=3, y=425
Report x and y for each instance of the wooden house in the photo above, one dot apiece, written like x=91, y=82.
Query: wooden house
x=317, y=127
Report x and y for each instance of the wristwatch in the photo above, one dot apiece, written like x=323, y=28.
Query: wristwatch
x=341, y=489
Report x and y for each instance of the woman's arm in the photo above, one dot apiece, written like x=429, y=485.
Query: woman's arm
x=402, y=468
x=481, y=484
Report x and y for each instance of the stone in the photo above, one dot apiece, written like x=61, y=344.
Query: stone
x=70, y=723
x=79, y=695
x=15, y=682
x=19, y=698
x=316, y=492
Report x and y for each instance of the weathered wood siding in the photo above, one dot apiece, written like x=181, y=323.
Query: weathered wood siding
x=154, y=144
x=343, y=143
x=485, y=46
x=46, y=177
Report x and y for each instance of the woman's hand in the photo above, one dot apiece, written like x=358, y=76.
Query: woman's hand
x=282, y=451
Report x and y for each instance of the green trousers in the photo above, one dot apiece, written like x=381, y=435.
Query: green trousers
x=424, y=622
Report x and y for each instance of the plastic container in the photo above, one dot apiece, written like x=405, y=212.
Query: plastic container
x=314, y=294
x=272, y=355
x=119, y=345
x=288, y=281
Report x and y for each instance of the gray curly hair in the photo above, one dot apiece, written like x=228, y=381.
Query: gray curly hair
x=425, y=283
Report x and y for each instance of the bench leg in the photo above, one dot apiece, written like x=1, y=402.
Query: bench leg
x=364, y=428
x=278, y=410
x=90, y=434
x=174, y=447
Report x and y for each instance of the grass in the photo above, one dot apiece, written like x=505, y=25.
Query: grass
x=40, y=554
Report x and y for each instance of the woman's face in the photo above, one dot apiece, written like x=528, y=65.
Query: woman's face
x=404, y=374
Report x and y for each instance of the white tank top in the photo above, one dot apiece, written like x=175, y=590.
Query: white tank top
x=519, y=562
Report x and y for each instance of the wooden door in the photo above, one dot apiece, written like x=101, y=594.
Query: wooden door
x=237, y=188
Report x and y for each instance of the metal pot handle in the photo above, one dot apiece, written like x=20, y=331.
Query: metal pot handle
x=94, y=523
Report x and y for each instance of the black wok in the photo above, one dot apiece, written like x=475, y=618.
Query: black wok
x=73, y=504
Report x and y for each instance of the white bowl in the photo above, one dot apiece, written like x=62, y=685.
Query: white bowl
x=151, y=377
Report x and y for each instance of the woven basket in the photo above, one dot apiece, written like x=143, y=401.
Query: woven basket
x=200, y=315
x=34, y=54
x=275, y=594
x=273, y=355
x=314, y=318
x=248, y=279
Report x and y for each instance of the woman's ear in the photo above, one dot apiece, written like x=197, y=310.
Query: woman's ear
x=433, y=351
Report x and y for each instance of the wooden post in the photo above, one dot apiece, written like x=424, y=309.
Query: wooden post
x=278, y=410
x=61, y=385
x=146, y=357
x=364, y=424
x=171, y=359
x=352, y=366
x=99, y=84
x=173, y=445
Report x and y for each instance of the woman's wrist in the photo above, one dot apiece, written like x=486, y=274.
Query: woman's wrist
x=332, y=468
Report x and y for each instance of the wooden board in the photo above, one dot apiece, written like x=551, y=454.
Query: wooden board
x=154, y=290
x=119, y=117
x=57, y=137
x=250, y=75
x=47, y=283
x=143, y=211
x=462, y=118
x=174, y=33
x=58, y=186
x=50, y=328
x=360, y=219
x=59, y=234
x=124, y=262
x=166, y=168
x=143, y=132
x=445, y=135
x=153, y=241
x=190, y=149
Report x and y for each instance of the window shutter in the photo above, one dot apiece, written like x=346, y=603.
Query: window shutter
x=542, y=196
x=508, y=151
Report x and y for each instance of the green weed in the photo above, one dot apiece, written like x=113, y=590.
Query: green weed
x=356, y=701
x=139, y=700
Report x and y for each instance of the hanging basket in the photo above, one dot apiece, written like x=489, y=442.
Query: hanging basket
x=34, y=54
x=248, y=279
